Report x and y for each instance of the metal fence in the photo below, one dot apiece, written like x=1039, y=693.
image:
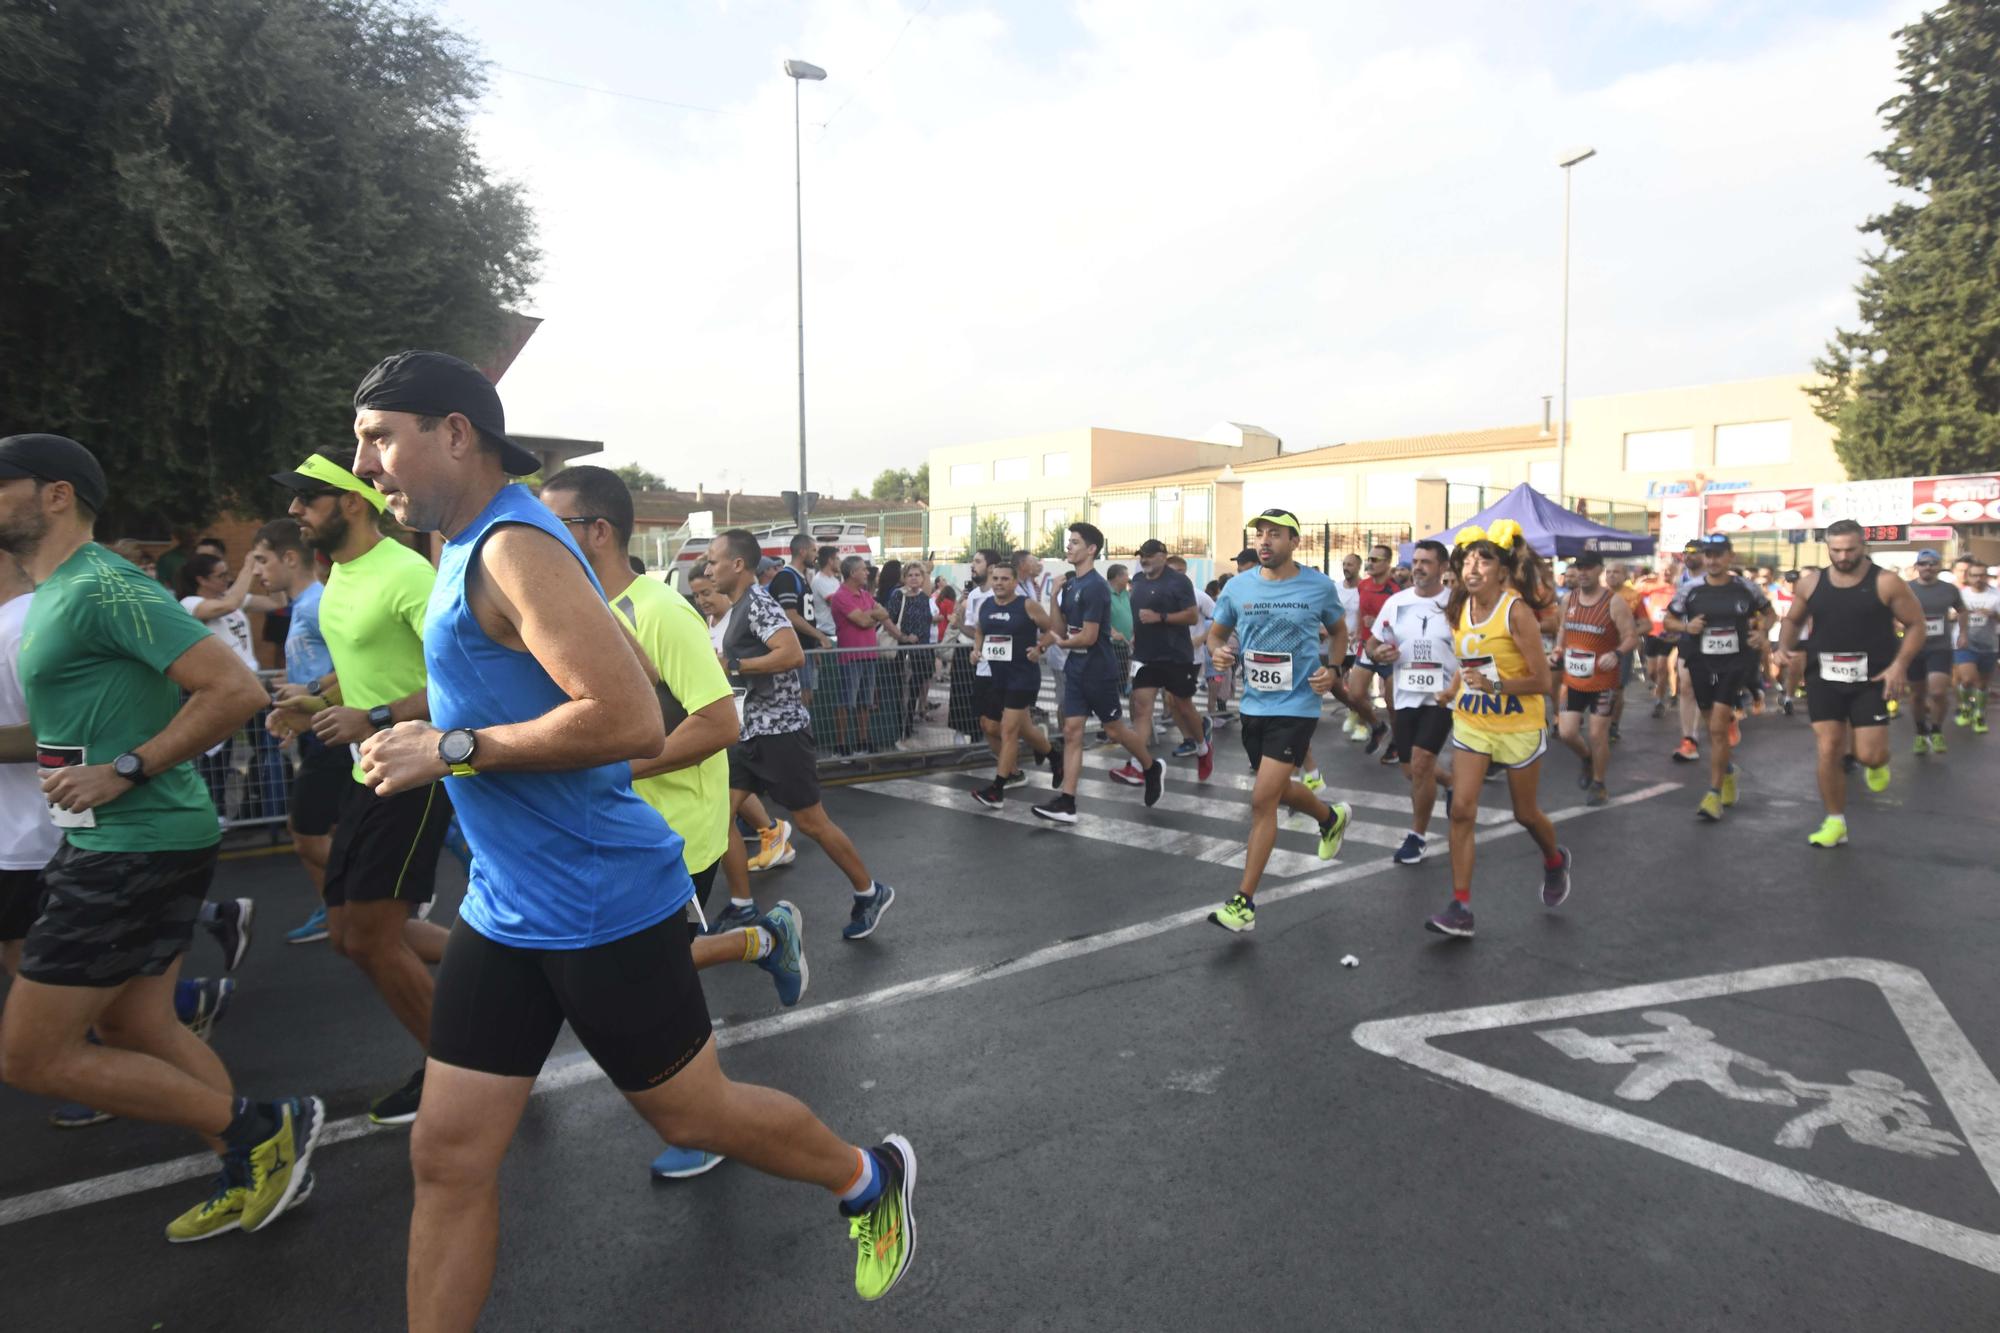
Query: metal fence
x=249, y=776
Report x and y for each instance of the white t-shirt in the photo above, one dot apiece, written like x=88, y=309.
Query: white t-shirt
x=824, y=586
x=1424, y=658
x=1350, y=605
x=233, y=629
x=978, y=597
x=27, y=836
x=1204, y=607
x=1038, y=588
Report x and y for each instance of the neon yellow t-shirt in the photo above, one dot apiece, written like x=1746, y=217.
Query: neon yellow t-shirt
x=372, y=618
x=695, y=800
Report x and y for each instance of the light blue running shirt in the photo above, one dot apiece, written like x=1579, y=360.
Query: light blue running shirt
x=1279, y=619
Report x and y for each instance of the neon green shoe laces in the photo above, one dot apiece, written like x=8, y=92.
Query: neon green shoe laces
x=882, y=1241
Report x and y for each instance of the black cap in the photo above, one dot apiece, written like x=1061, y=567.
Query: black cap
x=1246, y=556
x=1588, y=560
x=432, y=384
x=55, y=458
x=1152, y=546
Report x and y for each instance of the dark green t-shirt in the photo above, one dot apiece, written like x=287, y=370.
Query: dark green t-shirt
x=94, y=655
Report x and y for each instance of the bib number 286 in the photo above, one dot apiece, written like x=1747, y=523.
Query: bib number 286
x=1270, y=673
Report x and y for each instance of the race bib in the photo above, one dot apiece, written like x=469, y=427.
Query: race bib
x=1579, y=662
x=997, y=648
x=1268, y=673
x=1718, y=642
x=49, y=758
x=1978, y=621
x=1934, y=627
x=1428, y=677
x=1844, y=668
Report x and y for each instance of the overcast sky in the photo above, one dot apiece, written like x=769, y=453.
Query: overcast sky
x=1335, y=220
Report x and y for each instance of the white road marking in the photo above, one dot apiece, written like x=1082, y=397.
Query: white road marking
x=578, y=1070
x=1968, y=1088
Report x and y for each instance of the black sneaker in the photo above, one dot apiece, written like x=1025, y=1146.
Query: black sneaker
x=1156, y=781
x=400, y=1106
x=1375, y=735
x=992, y=796
x=1015, y=779
x=1615, y=737
x=1055, y=765
x=231, y=929
x=1060, y=810
x=1659, y=708
x=1555, y=880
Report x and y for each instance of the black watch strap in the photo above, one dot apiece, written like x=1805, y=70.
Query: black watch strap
x=130, y=767
x=380, y=718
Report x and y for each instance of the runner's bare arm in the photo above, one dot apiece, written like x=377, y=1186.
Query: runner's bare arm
x=708, y=730
x=785, y=655
x=1628, y=628
x=1909, y=613
x=1526, y=628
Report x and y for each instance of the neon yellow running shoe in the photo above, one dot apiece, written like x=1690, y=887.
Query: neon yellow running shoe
x=1922, y=744
x=1937, y=742
x=279, y=1166
x=1313, y=781
x=1336, y=829
x=1729, y=786
x=1236, y=916
x=1979, y=724
x=886, y=1234
x=1878, y=778
x=1710, y=808
x=1832, y=833
x=219, y=1214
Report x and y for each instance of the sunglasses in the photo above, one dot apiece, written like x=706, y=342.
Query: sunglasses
x=585, y=518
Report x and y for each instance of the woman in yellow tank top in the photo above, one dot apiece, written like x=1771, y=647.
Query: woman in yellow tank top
x=1499, y=704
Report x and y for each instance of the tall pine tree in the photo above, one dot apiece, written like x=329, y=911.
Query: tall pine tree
x=1915, y=389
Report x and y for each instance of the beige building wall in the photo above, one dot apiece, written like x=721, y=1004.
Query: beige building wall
x=1641, y=446
x=1067, y=463
x=1371, y=484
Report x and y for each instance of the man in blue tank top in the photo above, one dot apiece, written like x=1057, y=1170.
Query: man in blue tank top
x=539, y=705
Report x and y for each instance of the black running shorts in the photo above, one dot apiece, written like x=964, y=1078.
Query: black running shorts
x=995, y=701
x=1589, y=701
x=386, y=847
x=1860, y=705
x=1425, y=728
x=635, y=1004
x=1285, y=739
x=320, y=789
x=1721, y=680
x=1176, y=678
x=20, y=902
x=783, y=767
x=108, y=917
x=1657, y=645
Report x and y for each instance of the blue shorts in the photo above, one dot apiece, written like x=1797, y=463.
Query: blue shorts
x=807, y=675
x=857, y=682
x=1931, y=662
x=1983, y=662
x=1090, y=696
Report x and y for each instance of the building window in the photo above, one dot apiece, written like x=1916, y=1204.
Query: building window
x=961, y=525
x=1391, y=490
x=1054, y=517
x=1659, y=450
x=1055, y=465
x=968, y=474
x=1010, y=469
x=1753, y=444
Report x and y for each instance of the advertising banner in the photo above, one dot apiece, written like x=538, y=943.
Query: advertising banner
x=1898, y=502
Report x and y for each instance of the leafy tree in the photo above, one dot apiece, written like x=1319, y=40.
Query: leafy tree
x=1053, y=541
x=215, y=215
x=992, y=532
x=1915, y=390
x=637, y=478
x=899, y=484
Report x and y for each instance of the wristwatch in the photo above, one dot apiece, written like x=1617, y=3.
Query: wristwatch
x=456, y=747
x=734, y=666
x=130, y=767
x=380, y=718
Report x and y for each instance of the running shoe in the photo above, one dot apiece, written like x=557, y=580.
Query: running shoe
x=1786, y=704
x=1189, y=749
x=1155, y=778
x=1848, y=763
x=1832, y=832
x=1375, y=735
x=1598, y=795
x=885, y=1233
x=279, y=1166
x=683, y=1163
x=1615, y=735
x=221, y=1212
x=1710, y=808
x=1204, y=763
x=733, y=917
x=1937, y=742
x=774, y=847
x=1018, y=778
x=993, y=796
x=1659, y=708
x=867, y=912
x=1922, y=745
x=1412, y=850
x=399, y=1107
x=1455, y=920
x=1964, y=718
x=1729, y=786
x=1979, y=725
x=1236, y=916
x=1207, y=732
x=1055, y=765
x=1583, y=775
x=1688, y=751
x=1333, y=830
x=1130, y=774
x=200, y=1001
x=75, y=1115
x=1312, y=781
x=1059, y=810
x=231, y=929
x=1555, y=880
x=787, y=960
x=1357, y=731
x=1877, y=778
x=309, y=931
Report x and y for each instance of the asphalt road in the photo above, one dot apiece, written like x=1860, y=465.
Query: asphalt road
x=1126, y=1119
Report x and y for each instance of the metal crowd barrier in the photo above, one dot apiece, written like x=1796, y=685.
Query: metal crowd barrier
x=249, y=776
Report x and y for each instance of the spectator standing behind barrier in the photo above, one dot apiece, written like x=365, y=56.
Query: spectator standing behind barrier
x=1120, y=579
x=857, y=616
x=791, y=586
x=912, y=616
x=167, y=569
x=825, y=583
x=218, y=601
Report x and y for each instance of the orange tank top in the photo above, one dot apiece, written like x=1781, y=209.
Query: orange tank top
x=1587, y=633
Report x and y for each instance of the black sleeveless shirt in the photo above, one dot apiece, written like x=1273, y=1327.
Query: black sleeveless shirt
x=1851, y=620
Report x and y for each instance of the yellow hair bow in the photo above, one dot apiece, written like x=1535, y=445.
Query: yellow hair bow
x=1504, y=534
x=1471, y=533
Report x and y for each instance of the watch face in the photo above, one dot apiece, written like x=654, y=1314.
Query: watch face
x=456, y=747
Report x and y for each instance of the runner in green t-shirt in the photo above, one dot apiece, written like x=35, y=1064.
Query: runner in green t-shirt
x=105, y=656
x=381, y=866
x=688, y=781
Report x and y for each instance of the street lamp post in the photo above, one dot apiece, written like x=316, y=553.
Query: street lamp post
x=798, y=71
x=1566, y=161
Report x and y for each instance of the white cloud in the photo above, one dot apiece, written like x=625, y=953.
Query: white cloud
x=1328, y=222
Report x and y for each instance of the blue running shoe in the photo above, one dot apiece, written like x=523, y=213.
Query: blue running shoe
x=867, y=911
x=733, y=917
x=683, y=1163
x=1412, y=850
x=311, y=931
x=1187, y=749
x=200, y=1001
x=787, y=960
x=75, y=1115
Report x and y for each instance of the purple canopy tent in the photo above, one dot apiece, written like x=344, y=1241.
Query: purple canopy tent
x=1550, y=529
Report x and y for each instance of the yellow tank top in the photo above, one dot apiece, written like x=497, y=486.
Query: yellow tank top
x=1489, y=645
